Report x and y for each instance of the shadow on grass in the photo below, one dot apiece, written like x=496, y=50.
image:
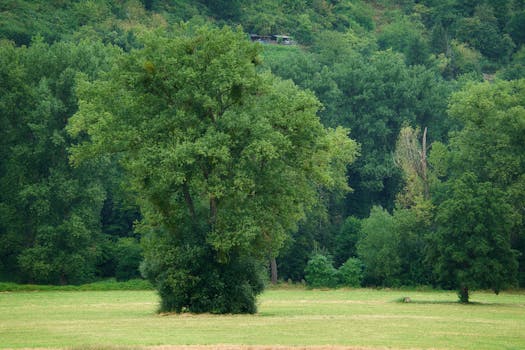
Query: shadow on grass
x=448, y=302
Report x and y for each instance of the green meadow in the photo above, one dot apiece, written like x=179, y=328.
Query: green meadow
x=288, y=317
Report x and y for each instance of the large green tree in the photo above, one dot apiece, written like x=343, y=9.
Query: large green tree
x=473, y=238
x=480, y=213
x=225, y=160
x=50, y=212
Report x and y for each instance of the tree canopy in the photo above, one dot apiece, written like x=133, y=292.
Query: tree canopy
x=202, y=156
x=225, y=160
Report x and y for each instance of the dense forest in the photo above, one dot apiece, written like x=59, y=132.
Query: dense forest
x=431, y=95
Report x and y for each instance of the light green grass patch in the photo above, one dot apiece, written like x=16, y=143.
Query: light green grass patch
x=279, y=53
x=361, y=318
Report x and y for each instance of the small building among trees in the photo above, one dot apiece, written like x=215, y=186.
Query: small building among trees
x=272, y=39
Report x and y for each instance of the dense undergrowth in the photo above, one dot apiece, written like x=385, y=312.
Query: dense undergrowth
x=106, y=285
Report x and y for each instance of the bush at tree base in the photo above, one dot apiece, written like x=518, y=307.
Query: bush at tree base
x=188, y=278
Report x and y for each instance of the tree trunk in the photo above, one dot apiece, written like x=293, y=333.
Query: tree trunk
x=189, y=200
x=424, y=177
x=213, y=212
x=273, y=270
x=63, y=279
x=463, y=295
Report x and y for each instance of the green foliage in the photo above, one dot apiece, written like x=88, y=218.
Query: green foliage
x=516, y=68
x=380, y=95
x=351, y=273
x=491, y=142
x=376, y=94
x=320, y=272
x=346, y=240
x=406, y=36
x=472, y=241
x=486, y=169
x=225, y=160
x=128, y=254
x=51, y=208
x=104, y=285
x=89, y=12
x=189, y=278
x=378, y=249
x=516, y=27
x=376, y=68
x=481, y=32
x=294, y=256
x=304, y=19
x=313, y=232
x=464, y=59
x=414, y=225
x=225, y=9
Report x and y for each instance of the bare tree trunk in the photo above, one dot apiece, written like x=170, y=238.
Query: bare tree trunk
x=213, y=211
x=273, y=270
x=426, y=190
x=463, y=295
x=188, y=199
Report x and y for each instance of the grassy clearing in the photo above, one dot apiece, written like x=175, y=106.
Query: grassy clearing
x=278, y=53
x=295, y=317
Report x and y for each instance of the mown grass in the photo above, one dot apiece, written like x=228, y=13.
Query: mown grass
x=361, y=318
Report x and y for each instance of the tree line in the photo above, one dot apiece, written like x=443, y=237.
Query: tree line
x=402, y=165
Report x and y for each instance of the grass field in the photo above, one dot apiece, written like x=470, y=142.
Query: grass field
x=358, y=318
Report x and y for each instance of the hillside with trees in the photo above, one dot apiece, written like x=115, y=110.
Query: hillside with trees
x=383, y=147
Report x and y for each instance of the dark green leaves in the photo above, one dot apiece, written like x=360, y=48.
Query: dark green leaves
x=224, y=158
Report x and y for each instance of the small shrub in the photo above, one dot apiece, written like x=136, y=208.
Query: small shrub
x=351, y=273
x=320, y=272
